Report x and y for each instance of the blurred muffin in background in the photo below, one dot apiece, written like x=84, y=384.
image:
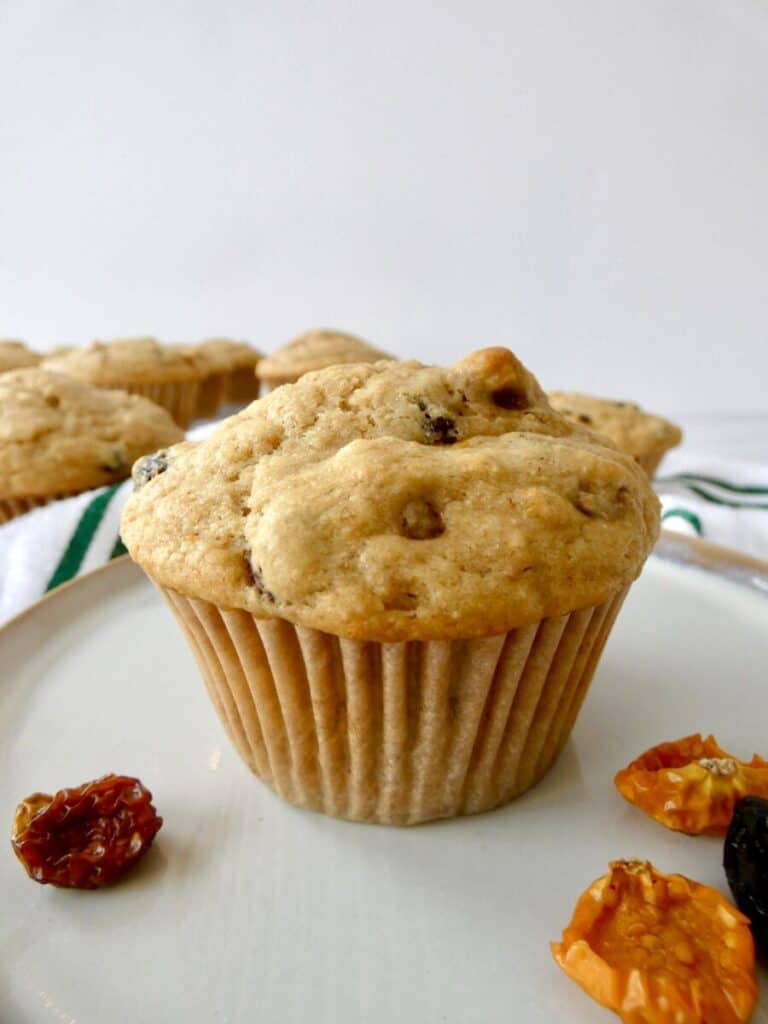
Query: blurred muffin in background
x=641, y=434
x=169, y=375
x=232, y=374
x=59, y=436
x=314, y=350
x=14, y=355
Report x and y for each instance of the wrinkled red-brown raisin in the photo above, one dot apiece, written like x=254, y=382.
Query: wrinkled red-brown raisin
x=584, y=418
x=86, y=837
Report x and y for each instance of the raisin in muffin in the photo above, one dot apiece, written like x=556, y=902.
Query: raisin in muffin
x=640, y=434
x=14, y=355
x=169, y=375
x=315, y=350
x=397, y=579
x=59, y=436
x=231, y=375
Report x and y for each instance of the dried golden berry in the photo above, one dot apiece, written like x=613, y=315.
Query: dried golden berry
x=87, y=837
x=651, y=947
x=692, y=785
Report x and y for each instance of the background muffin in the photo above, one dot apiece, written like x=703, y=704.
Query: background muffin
x=169, y=375
x=640, y=434
x=14, y=355
x=231, y=375
x=59, y=436
x=315, y=350
x=397, y=580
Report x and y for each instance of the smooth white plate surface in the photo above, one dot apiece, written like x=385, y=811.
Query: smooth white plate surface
x=247, y=909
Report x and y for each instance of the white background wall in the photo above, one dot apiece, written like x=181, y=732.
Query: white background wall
x=584, y=181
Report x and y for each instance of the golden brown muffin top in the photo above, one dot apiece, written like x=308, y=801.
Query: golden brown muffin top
x=315, y=350
x=396, y=501
x=636, y=432
x=128, y=361
x=14, y=355
x=58, y=434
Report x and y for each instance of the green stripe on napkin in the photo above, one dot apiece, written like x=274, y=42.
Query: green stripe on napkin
x=80, y=541
x=687, y=515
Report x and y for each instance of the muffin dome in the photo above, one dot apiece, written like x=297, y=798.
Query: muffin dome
x=58, y=434
x=640, y=434
x=314, y=350
x=14, y=355
x=396, y=501
x=128, y=361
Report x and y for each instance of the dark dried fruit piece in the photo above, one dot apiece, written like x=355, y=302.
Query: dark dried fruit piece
x=438, y=429
x=510, y=398
x=745, y=859
x=257, y=580
x=583, y=418
x=420, y=520
x=86, y=837
x=149, y=467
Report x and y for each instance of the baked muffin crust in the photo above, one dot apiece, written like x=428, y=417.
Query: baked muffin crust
x=58, y=434
x=396, y=501
x=315, y=350
x=129, y=361
x=641, y=434
x=14, y=355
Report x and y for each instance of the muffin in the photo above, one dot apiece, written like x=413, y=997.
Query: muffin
x=59, y=436
x=314, y=350
x=640, y=434
x=231, y=375
x=169, y=375
x=397, y=580
x=14, y=355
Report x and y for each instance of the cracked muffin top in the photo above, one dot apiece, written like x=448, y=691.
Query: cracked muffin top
x=58, y=434
x=396, y=501
x=314, y=350
x=14, y=355
x=639, y=433
x=129, y=361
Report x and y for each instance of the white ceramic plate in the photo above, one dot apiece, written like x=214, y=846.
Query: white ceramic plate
x=247, y=909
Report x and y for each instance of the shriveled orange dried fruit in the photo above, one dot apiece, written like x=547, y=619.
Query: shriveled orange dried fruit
x=660, y=949
x=692, y=785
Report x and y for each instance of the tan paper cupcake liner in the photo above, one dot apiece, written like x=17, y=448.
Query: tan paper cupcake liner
x=12, y=507
x=212, y=394
x=243, y=385
x=396, y=733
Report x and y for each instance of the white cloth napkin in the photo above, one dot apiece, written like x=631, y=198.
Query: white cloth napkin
x=724, y=501
x=58, y=542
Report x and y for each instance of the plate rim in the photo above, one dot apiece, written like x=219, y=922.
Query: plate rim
x=716, y=559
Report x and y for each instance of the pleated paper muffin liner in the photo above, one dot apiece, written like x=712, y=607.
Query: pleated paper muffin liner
x=243, y=385
x=395, y=733
x=12, y=507
x=212, y=394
